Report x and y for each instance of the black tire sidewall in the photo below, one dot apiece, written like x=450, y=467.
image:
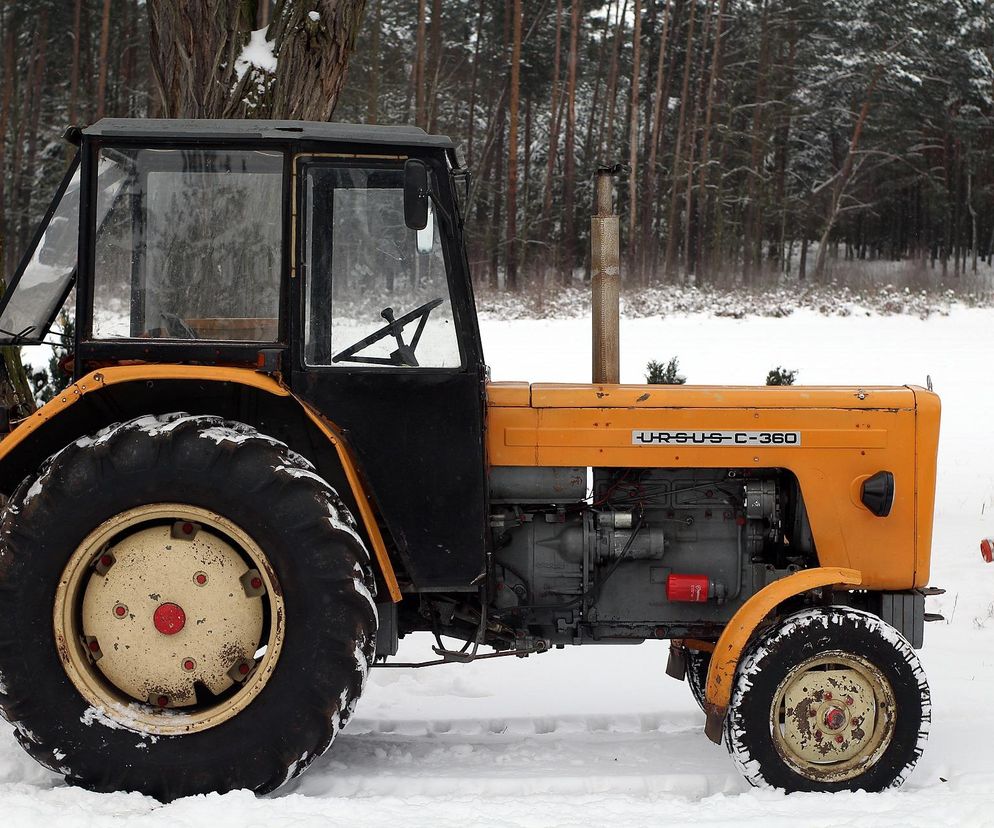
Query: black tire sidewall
x=801, y=637
x=698, y=663
x=328, y=620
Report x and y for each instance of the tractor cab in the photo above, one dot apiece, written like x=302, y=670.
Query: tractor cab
x=330, y=255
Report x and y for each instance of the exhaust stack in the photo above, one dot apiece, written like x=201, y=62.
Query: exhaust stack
x=605, y=255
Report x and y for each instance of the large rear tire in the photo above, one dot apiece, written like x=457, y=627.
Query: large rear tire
x=185, y=607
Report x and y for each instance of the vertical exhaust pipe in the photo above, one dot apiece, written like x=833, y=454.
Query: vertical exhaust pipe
x=605, y=255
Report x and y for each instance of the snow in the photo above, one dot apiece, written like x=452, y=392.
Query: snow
x=599, y=735
x=258, y=52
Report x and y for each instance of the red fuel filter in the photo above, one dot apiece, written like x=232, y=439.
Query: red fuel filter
x=692, y=588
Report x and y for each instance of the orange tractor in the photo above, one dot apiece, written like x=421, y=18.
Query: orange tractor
x=281, y=453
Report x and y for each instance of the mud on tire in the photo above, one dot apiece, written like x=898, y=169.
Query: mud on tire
x=796, y=640
x=309, y=539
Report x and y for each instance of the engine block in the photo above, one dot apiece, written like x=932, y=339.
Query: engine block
x=649, y=553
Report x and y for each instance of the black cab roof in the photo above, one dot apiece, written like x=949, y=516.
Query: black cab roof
x=167, y=128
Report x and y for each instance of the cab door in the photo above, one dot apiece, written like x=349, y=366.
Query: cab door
x=386, y=347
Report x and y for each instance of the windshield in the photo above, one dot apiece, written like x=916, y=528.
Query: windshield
x=191, y=247
x=42, y=283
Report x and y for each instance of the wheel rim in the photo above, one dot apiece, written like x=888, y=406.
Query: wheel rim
x=168, y=619
x=832, y=717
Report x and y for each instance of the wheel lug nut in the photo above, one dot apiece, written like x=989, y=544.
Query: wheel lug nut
x=184, y=530
x=253, y=584
x=849, y=700
x=240, y=669
x=828, y=696
x=818, y=735
x=812, y=713
x=120, y=610
x=200, y=578
x=839, y=739
x=103, y=563
x=189, y=664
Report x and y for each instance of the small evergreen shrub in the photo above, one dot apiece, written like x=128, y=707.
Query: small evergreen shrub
x=658, y=373
x=781, y=376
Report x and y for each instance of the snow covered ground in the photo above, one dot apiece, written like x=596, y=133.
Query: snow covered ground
x=600, y=736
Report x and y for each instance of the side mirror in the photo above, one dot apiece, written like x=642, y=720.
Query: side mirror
x=415, y=194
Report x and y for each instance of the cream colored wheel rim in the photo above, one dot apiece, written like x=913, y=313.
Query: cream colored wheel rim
x=833, y=717
x=168, y=619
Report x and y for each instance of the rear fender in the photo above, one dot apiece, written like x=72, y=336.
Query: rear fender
x=95, y=385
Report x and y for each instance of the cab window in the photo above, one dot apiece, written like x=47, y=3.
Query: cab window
x=45, y=277
x=376, y=292
x=191, y=247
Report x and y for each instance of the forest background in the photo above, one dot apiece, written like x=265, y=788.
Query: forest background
x=768, y=143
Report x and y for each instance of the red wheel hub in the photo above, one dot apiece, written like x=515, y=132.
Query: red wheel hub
x=169, y=618
x=835, y=718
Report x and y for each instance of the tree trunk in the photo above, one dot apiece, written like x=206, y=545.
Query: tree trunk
x=569, y=172
x=526, y=194
x=633, y=145
x=312, y=56
x=499, y=192
x=473, y=84
x=659, y=112
x=192, y=50
x=703, y=196
x=678, y=154
x=512, y=152
x=753, y=225
x=688, y=232
x=974, y=245
x=845, y=174
x=15, y=390
x=783, y=147
x=595, y=104
x=74, y=72
x=373, y=94
x=262, y=13
x=6, y=102
x=434, y=62
x=102, y=60
x=606, y=130
x=554, y=108
x=195, y=48
x=420, y=115
x=34, y=89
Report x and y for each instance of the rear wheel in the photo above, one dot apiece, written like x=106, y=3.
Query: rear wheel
x=829, y=699
x=186, y=608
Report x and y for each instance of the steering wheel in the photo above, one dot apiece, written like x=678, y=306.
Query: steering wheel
x=404, y=355
x=177, y=327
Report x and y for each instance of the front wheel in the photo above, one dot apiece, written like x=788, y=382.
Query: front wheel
x=698, y=664
x=829, y=699
x=186, y=608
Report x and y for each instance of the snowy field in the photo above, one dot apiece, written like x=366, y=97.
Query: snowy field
x=600, y=736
